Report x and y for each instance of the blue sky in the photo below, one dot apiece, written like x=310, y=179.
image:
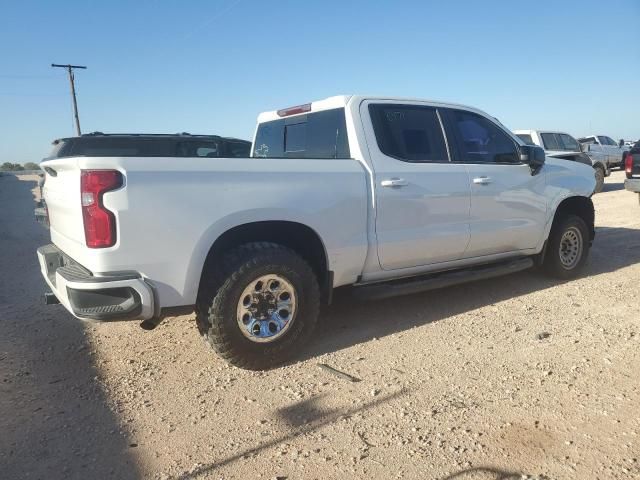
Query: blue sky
x=212, y=66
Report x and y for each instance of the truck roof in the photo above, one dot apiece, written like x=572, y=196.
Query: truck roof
x=183, y=136
x=341, y=101
x=535, y=130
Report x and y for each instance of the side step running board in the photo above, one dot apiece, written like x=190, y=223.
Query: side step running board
x=411, y=285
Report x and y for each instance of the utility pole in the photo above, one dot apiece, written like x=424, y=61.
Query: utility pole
x=73, y=90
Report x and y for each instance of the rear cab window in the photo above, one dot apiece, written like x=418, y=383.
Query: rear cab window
x=315, y=135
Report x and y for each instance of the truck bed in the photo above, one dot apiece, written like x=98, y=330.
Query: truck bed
x=168, y=213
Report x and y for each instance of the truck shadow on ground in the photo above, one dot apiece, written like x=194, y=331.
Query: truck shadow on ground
x=54, y=419
x=613, y=187
x=349, y=321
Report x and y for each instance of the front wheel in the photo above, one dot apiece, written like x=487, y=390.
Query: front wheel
x=567, y=248
x=264, y=310
x=599, y=174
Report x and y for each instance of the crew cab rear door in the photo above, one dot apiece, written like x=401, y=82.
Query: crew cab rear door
x=421, y=198
x=508, y=205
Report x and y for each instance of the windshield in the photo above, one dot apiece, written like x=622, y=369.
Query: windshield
x=526, y=138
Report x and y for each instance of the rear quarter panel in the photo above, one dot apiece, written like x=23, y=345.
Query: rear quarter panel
x=171, y=211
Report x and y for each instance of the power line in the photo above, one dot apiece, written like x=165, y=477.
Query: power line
x=70, y=69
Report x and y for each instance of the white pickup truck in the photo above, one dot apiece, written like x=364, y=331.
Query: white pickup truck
x=606, y=147
x=564, y=146
x=391, y=196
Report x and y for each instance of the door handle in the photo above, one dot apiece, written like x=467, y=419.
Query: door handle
x=394, y=182
x=482, y=180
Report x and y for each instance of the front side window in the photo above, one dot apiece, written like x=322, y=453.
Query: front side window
x=479, y=140
x=607, y=141
x=320, y=134
x=411, y=133
x=569, y=143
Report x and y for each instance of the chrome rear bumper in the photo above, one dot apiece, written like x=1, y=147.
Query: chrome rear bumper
x=105, y=297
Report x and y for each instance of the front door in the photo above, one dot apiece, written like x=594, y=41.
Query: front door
x=508, y=205
x=421, y=198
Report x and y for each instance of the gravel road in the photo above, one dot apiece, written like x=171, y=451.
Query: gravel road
x=516, y=377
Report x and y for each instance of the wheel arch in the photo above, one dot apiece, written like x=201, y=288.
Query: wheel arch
x=575, y=205
x=300, y=238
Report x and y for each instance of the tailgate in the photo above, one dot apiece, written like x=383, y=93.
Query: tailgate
x=61, y=193
x=635, y=164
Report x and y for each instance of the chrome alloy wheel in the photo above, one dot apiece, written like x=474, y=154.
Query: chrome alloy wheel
x=266, y=308
x=571, y=246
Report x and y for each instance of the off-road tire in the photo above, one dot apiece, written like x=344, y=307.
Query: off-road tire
x=599, y=174
x=552, y=261
x=220, y=292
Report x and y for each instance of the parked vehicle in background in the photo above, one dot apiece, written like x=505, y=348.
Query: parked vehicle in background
x=632, y=169
x=392, y=196
x=564, y=146
x=98, y=144
x=606, y=146
x=40, y=211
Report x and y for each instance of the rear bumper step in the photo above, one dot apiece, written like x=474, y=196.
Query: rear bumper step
x=116, y=296
x=632, y=184
x=439, y=280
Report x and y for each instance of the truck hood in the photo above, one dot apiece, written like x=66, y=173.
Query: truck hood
x=574, y=177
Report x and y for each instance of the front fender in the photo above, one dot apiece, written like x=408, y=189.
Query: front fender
x=565, y=179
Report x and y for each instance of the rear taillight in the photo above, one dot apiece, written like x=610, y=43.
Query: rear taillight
x=628, y=162
x=99, y=223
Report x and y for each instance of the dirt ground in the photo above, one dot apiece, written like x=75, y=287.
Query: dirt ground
x=516, y=377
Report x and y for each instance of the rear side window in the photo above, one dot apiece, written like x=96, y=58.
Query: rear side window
x=123, y=147
x=479, y=140
x=239, y=149
x=411, y=133
x=199, y=149
x=526, y=138
x=315, y=135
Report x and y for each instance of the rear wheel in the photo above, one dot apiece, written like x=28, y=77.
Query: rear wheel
x=265, y=308
x=567, y=248
x=599, y=174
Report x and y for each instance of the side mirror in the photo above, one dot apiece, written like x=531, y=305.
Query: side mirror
x=534, y=156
